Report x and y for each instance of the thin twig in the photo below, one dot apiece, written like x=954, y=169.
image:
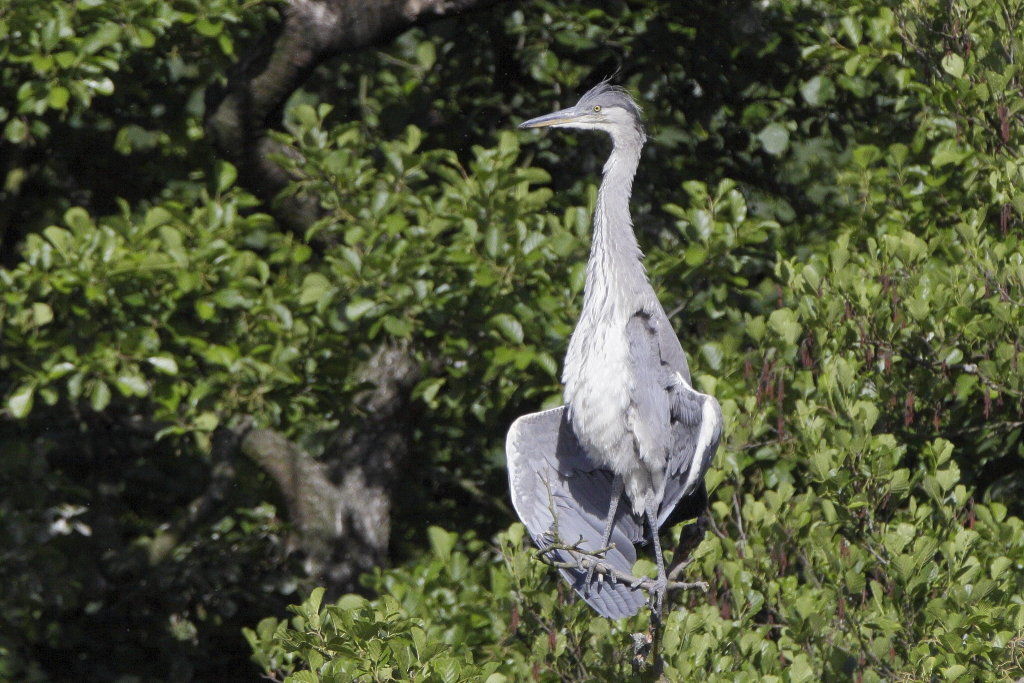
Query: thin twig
x=679, y=568
x=739, y=515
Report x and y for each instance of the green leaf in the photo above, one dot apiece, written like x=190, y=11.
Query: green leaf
x=146, y=38
x=419, y=639
x=100, y=397
x=801, y=670
x=714, y=354
x=948, y=152
x=132, y=385
x=16, y=131
x=965, y=384
x=783, y=321
x=999, y=566
x=494, y=240
x=315, y=598
x=644, y=567
x=756, y=328
x=226, y=175
x=865, y=155
x=224, y=356
x=852, y=27
x=954, y=672
x=510, y=328
x=314, y=287
x=156, y=217
x=207, y=422
x=164, y=364
x=855, y=581
x=58, y=98
x=774, y=138
x=426, y=54
x=953, y=64
x=107, y=34
x=427, y=389
x=42, y=314
x=948, y=477
x=441, y=542
x=899, y=482
x=78, y=219
x=208, y=28
x=817, y=91
x=397, y=327
x=205, y=309
x=20, y=402
x=357, y=308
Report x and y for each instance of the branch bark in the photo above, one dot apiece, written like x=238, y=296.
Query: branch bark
x=315, y=506
x=313, y=31
x=341, y=505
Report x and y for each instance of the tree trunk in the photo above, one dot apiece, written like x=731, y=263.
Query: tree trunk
x=341, y=505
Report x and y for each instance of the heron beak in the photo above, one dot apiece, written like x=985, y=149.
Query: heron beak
x=557, y=118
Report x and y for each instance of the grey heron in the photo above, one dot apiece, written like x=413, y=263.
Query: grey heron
x=632, y=423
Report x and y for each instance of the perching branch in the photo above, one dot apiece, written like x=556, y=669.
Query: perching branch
x=584, y=560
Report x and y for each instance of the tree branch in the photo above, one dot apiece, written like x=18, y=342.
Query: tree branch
x=342, y=506
x=313, y=31
x=315, y=506
x=584, y=560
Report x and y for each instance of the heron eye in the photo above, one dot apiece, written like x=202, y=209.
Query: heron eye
x=597, y=107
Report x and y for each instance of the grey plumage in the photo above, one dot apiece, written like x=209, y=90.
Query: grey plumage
x=632, y=421
x=556, y=475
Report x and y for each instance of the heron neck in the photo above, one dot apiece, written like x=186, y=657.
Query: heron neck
x=615, y=266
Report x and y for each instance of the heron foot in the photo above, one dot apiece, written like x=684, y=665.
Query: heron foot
x=657, y=591
x=590, y=574
x=595, y=558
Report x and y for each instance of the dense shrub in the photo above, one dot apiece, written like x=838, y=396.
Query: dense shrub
x=830, y=210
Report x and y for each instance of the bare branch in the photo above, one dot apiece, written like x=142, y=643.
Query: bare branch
x=584, y=560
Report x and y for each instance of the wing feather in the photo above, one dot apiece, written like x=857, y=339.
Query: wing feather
x=697, y=428
x=692, y=428
x=671, y=351
x=551, y=476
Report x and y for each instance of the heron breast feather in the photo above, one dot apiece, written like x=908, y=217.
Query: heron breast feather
x=597, y=390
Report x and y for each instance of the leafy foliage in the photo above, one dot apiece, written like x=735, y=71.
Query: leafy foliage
x=830, y=211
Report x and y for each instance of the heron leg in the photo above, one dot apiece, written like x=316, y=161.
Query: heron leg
x=618, y=485
x=661, y=585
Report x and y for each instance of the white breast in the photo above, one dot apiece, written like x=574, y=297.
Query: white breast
x=598, y=387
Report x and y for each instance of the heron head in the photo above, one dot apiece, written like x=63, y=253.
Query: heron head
x=604, y=107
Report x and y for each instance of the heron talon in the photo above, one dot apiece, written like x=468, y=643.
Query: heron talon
x=657, y=592
x=590, y=574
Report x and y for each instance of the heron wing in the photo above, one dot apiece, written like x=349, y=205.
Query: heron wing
x=686, y=421
x=551, y=477
x=697, y=431
x=669, y=348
